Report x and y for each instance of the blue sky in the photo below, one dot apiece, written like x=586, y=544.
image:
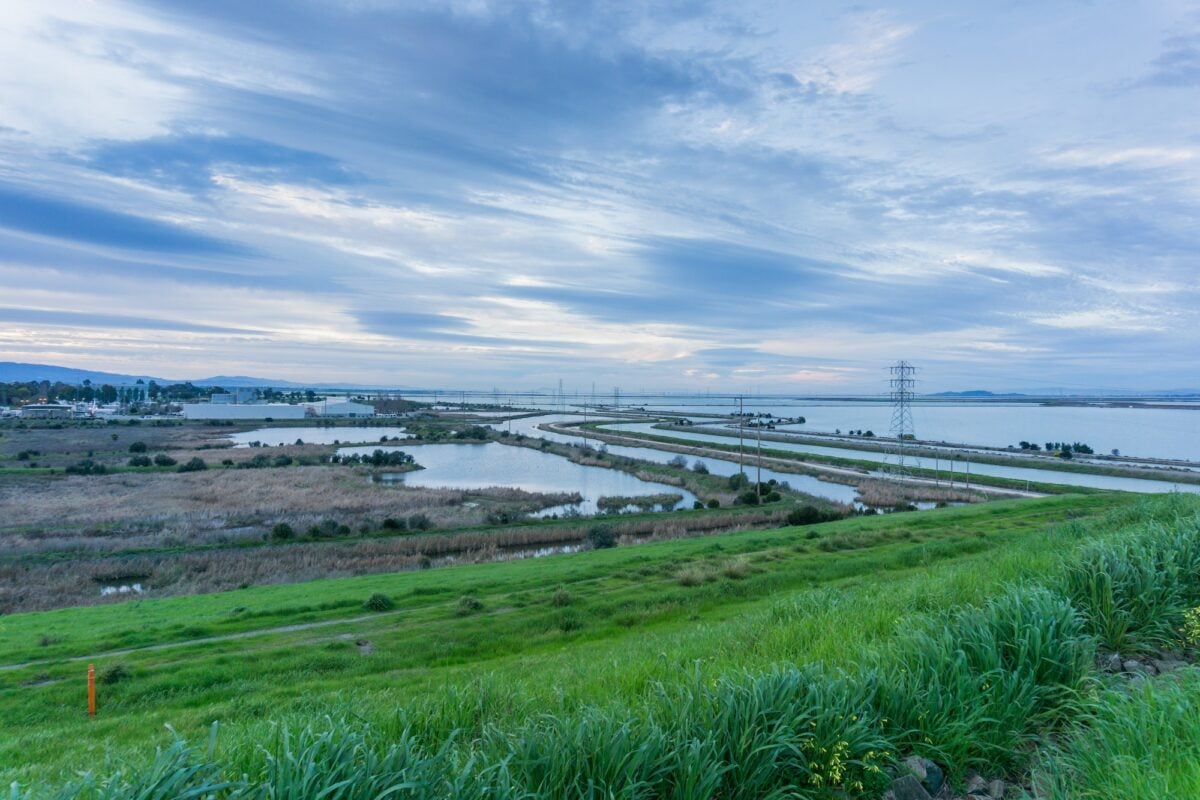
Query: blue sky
x=749, y=196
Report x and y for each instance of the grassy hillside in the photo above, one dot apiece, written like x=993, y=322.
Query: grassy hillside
x=476, y=655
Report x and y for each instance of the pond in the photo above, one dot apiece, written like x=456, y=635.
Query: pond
x=274, y=437
x=477, y=466
x=837, y=492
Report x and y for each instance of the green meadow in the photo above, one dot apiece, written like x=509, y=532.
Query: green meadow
x=799, y=662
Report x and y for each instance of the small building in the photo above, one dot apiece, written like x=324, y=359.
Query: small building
x=243, y=411
x=47, y=411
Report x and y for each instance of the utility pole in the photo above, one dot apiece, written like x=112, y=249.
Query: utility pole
x=758, y=478
x=741, y=436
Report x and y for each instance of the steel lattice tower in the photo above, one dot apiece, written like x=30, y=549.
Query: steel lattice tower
x=903, y=390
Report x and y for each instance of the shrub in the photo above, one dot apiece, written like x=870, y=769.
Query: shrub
x=773, y=497
x=194, y=464
x=808, y=515
x=162, y=460
x=139, y=461
x=561, y=597
x=137, y=447
x=691, y=576
x=679, y=462
x=282, y=532
x=697, y=505
x=379, y=602
x=699, y=467
x=569, y=620
x=86, y=467
x=393, y=524
x=714, y=503
x=114, y=673
x=748, y=498
x=738, y=480
x=601, y=537
x=283, y=461
x=419, y=522
x=736, y=569
x=469, y=604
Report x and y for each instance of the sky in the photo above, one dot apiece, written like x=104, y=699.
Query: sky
x=677, y=195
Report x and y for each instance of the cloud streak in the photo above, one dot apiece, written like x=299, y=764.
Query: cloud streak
x=684, y=196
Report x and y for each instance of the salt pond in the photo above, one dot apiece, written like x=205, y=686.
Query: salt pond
x=477, y=466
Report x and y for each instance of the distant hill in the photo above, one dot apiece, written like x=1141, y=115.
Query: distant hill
x=11, y=371
x=975, y=393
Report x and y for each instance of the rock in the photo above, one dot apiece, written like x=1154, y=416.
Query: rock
x=1133, y=665
x=976, y=785
x=1168, y=665
x=916, y=765
x=909, y=788
x=1112, y=663
x=934, y=777
x=996, y=789
x=928, y=773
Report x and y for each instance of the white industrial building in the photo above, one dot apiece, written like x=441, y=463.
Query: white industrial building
x=243, y=411
x=337, y=407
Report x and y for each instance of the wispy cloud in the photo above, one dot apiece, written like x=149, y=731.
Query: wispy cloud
x=674, y=195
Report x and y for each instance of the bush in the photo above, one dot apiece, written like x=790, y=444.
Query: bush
x=283, y=461
x=699, y=467
x=162, y=460
x=748, y=498
x=561, y=597
x=697, y=505
x=194, y=464
x=114, y=673
x=601, y=537
x=714, y=503
x=419, y=522
x=809, y=515
x=282, y=532
x=86, y=467
x=691, y=576
x=379, y=602
x=137, y=447
x=679, y=462
x=140, y=461
x=393, y=524
x=469, y=604
x=736, y=569
x=738, y=480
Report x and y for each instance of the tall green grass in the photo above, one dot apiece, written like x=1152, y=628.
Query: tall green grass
x=1139, y=743
x=1133, y=591
x=974, y=687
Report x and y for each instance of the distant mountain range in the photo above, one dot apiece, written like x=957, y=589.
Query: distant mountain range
x=11, y=371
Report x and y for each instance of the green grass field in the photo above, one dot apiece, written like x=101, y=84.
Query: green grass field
x=471, y=649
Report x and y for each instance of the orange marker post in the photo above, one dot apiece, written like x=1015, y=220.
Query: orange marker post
x=91, y=690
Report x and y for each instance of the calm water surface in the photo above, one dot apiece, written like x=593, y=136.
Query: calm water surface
x=275, y=437
x=477, y=466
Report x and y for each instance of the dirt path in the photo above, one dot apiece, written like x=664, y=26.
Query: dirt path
x=205, y=640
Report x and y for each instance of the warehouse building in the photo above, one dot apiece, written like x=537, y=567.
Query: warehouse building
x=262, y=411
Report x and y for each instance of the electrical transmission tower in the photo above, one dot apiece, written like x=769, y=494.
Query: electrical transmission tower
x=903, y=391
